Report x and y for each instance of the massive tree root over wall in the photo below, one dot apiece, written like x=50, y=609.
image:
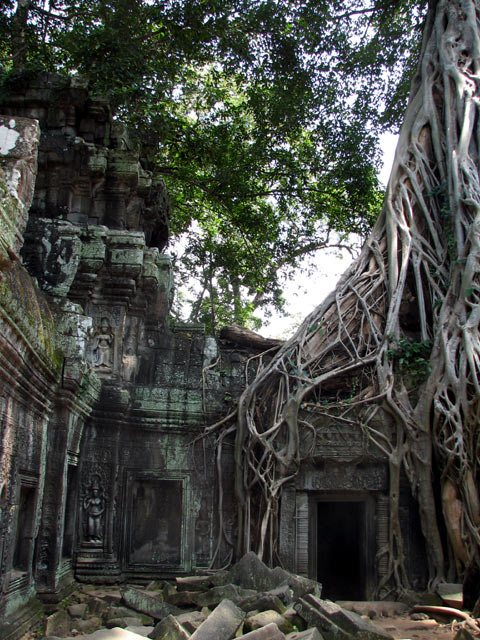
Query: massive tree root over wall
x=400, y=334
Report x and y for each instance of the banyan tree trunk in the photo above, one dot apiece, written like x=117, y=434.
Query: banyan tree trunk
x=401, y=330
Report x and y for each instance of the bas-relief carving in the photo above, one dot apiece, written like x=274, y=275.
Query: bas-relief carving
x=93, y=506
x=370, y=477
x=101, y=350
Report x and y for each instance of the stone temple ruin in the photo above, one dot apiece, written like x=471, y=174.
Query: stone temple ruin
x=101, y=395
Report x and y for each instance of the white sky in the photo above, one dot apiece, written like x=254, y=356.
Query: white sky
x=304, y=293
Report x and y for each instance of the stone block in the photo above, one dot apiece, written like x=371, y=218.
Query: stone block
x=225, y=592
x=183, y=598
x=348, y=620
x=269, y=632
x=194, y=583
x=87, y=626
x=451, y=594
x=264, y=618
x=251, y=573
x=262, y=602
x=122, y=622
x=221, y=624
x=283, y=592
x=58, y=624
x=191, y=620
x=140, y=630
x=77, y=610
x=97, y=607
x=169, y=629
x=149, y=605
x=309, y=634
x=298, y=584
x=315, y=618
x=112, y=634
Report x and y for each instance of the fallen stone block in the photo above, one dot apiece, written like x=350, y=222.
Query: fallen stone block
x=215, y=595
x=191, y=620
x=315, y=618
x=120, y=612
x=267, y=617
x=141, y=631
x=283, y=592
x=124, y=621
x=221, y=624
x=251, y=573
x=97, y=607
x=194, y=583
x=298, y=584
x=183, y=598
x=58, y=624
x=149, y=605
x=348, y=620
x=374, y=609
x=169, y=629
x=77, y=610
x=113, y=634
x=262, y=602
x=309, y=634
x=269, y=632
x=451, y=594
x=88, y=625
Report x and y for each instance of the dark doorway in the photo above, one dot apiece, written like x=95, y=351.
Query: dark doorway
x=24, y=537
x=69, y=517
x=342, y=548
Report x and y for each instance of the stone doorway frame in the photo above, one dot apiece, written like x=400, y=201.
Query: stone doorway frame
x=132, y=477
x=369, y=533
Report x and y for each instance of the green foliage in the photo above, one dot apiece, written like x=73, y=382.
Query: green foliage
x=411, y=358
x=263, y=117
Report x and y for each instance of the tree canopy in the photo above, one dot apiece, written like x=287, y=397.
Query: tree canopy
x=262, y=116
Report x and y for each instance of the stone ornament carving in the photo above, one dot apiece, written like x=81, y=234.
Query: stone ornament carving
x=94, y=508
x=102, y=347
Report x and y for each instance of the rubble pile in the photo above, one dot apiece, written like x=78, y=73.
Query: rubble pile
x=249, y=601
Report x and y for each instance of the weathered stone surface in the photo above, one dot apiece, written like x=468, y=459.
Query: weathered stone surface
x=308, y=634
x=120, y=612
x=348, y=620
x=264, y=618
x=221, y=624
x=262, y=602
x=183, y=598
x=194, y=583
x=268, y=632
x=284, y=592
x=192, y=620
x=147, y=604
x=374, y=609
x=77, y=610
x=19, y=139
x=298, y=584
x=315, y=618
x=451, y=594
x=113, y=634
x=122, y=622
x=229, y=591
x=140, y=630
x=58, y=624
x=97, y=607
x=88, y=625
x=169, y=629
x=251, y=573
